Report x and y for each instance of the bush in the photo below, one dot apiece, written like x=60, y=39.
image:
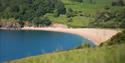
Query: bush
x=77, y=0
x=108, y=19
x=117, y=39
x=69, y=19
x=71, y=13
x=41, y=22
x=118, y=3
x=84, y=46
x=106, y=7
x=56, y=13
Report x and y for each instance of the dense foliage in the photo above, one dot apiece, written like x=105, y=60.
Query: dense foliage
x=28, y=9
x=118, y=3
x=16, y=24
x=77, y=0
x=109, y=19
x=38, y=22
x=119, y=38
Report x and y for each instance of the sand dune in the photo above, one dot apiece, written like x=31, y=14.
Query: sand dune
x=96, y=35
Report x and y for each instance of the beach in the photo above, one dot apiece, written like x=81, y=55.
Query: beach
x=96, y=35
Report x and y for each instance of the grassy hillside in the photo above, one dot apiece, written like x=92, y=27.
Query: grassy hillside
x=77, y=21
x=112, y=51
x=87, y=10
x=105, y=54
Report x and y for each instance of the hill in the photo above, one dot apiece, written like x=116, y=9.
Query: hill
x=73, y=13
x=83, y=14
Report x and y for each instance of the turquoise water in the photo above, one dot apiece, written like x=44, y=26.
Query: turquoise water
x=20, y=44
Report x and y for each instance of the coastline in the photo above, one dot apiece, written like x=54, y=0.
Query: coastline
x=97, y=36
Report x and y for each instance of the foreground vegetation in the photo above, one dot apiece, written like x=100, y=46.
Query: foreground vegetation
x=111, y=53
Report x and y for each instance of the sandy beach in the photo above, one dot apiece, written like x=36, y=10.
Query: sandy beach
x=96, y=35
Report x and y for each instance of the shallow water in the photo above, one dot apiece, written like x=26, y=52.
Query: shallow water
x=20, y=44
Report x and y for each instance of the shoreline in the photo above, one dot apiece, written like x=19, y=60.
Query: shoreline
x=97, y=36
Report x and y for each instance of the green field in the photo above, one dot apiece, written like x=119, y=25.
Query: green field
x=85, y=8
x=77, y=21
x=105, y=54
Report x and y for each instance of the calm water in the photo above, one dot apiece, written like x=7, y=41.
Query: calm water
x=20, y=44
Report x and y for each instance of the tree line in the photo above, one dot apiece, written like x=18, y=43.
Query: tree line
x=30, y=10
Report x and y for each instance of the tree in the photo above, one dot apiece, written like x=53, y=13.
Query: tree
x=69, y=13
x=7, y=13
x=26, y=10
x=70, y=19
x=77, y=0
x=56, y=13
x=41, y=21
x=91, y=1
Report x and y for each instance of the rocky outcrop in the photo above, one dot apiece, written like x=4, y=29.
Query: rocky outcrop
x=11, y=25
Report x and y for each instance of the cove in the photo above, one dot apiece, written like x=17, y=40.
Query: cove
x=20, y=44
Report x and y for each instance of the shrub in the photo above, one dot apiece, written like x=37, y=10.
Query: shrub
x=117, y=39
x=118, y=3
x=41, y=22
x=84, y=46
x=108, y=19
x=69, y=13
x=56, y=13
x=77, y=0
x=106, y=7
x=69, y=19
